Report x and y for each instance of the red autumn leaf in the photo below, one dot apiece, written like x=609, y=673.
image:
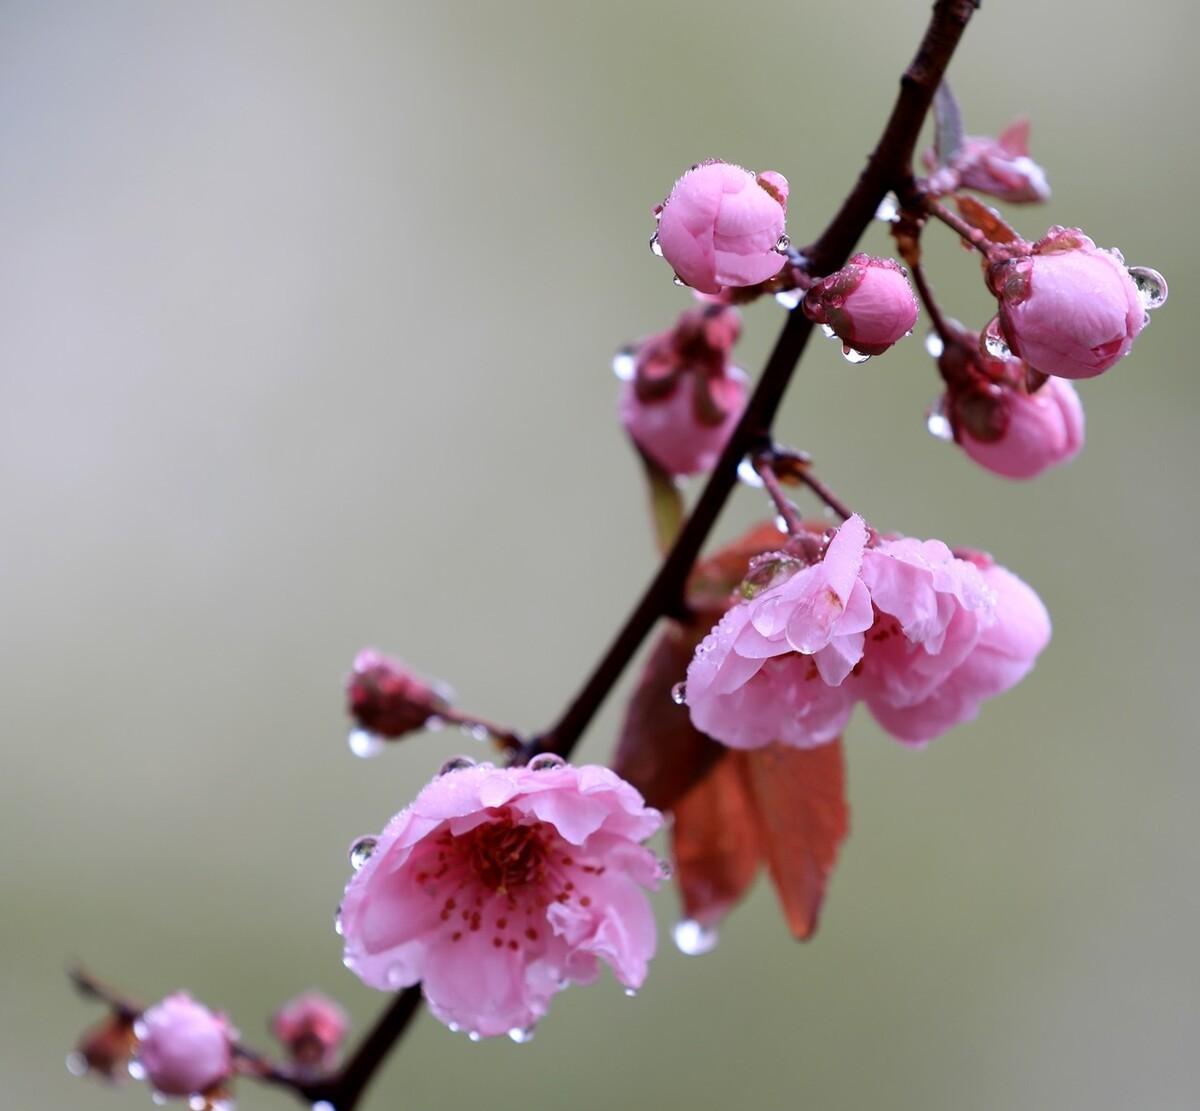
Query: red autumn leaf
x=798, y=797
x=660, y=752
x=986, y=219
x=714, y=842
x=714, y=579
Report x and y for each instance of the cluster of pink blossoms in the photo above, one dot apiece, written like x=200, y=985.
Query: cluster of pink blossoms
x=922, y=636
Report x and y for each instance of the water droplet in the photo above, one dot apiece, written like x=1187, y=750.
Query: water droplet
x=655, y=245
x=748, y=474
x=337, y=924
x=789, y=298
x=453, y=1027
x=521, y=1034
x=546, y=762
x=77, y=1064
x=693, y=939
x=934, y=345
x=475, y=731
x=677, y=280
x=631, y=993
x=937, y=422
x=474, y=1035
x=457, y=764
x=140, y=1029
x=159, y=1098
x=1151, y=286
x=435, y=723
x=323, y=1105
x=783, y=243
x=361, y=850
x=364, y=744
x=665, y=871
x=395, y=976
x=624, y=364
x=137, y=1070
x=994, y=345
x=679, y=694
x=888, y=210
x=197, y=1102
x=853, y=356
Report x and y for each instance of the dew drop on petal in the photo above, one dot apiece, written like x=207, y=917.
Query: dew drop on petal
x=783, y=243
x=748, y=474
x=521, y=1034
x=631, y=993
x=789, y=298
x=361, y=850
x=545, y=762
x=365, y=744
x=453, y=1027
x=679, y=694
x=655, y=246
x=853, y=356
x=624, y=364
x=937, y=423
x=889, y=209
x=457, y=764
x=665, y=871
x=1151, y=286
x=77, y=1064
x=827, y=331
x=474, y=1035
x=693, y=939
x=395, y=976
x=995, y=346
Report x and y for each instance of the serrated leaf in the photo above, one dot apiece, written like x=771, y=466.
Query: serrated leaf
x=799, y=799
x=986, y=219
x=659, y=750
x=714, y=842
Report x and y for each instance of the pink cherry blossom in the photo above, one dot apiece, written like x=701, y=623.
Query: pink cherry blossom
x=312, y=1027
x=868, y=304
x=1000, y=167
x=497, y=887
x=184, y=1048
x=1039, y=430
x=721, y=226
x=774, y=667
x=1070, y=308
x=1003, y=655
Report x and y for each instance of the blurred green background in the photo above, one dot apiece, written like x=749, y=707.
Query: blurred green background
x=306, y=314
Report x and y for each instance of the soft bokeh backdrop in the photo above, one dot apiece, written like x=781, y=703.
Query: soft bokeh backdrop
x=305, y=319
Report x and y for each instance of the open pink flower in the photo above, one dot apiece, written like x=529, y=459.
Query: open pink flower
x=774, y=667
x=1037, y=431
x=497, y=887
x=868, y=303
x=1070, y=308
x=1002, y=656
x=721, y=226
x=183, y=1047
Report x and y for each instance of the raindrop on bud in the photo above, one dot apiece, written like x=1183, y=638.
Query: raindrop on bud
x=888, y=210
x=456, y=764
x=937, y=422
x=789, y=298
x=655, y=246
x=361, y=850
x=630, y=993
x=624, y=364
x=77, y=1064
x=693, y=939
x=521, y=1034
x=934, y=345
x=1151, y=286
x=679, y=694
x=677, y=280
x=748, y=475
x=827, y=331
x=364, y=745
x=852, y=356
x=474, y=1035
x=995, y=346
x=545, y=762
x=137, y=1070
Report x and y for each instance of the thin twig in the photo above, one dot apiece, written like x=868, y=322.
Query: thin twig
x=765, y=469
x=970, y=234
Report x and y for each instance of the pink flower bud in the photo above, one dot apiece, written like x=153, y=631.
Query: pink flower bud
x=1071, y=308
x=868, y=304
x=387, y=699
x=684, y=397
x=498, y=887
x=312, y=1027
x=722, y=226
x=184, y=1048
x=1039, y=430
x=1000, y=167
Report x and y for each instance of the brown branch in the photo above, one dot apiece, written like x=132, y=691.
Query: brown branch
x=889, y=167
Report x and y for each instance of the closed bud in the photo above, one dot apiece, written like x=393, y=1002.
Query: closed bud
x=386, y=699
x=868, y=304
x=184, y=1048
x=998, y=166
x=312, y=1028
x=104, y=1050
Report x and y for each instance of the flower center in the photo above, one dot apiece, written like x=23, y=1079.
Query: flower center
x=504, y=855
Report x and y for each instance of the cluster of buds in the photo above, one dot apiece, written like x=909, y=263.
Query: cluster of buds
x=681, y=397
